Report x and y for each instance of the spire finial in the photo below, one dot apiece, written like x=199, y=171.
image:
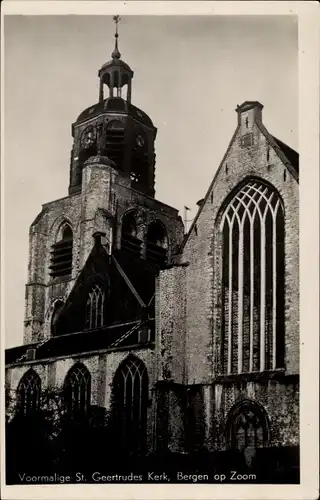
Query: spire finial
x=116, y=54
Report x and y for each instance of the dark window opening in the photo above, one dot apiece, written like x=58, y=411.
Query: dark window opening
x=129, y=238
x=115, y=142
x=157, y=243
x=55, y=315
x=61, y=254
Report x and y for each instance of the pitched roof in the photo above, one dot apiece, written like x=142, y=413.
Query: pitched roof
x=110, y=337
x=290, y=153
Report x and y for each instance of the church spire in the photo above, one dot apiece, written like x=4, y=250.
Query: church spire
x=116, y=54
x=116, y=74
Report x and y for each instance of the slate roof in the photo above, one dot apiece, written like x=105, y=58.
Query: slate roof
x=290, y=153
x=115, y=105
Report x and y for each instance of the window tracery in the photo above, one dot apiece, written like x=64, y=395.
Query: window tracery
x=252, y=228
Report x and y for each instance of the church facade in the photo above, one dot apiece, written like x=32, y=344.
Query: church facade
x=190, y=341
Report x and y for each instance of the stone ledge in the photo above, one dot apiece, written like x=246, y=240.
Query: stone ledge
x=264, y=376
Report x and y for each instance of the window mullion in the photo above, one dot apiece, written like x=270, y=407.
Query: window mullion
x=262, y=292
x=230, y=299
x=240, y=296
x=251, y=292
x=274, y=284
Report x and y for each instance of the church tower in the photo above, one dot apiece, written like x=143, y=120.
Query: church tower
x=111, y=203
x=116, y=129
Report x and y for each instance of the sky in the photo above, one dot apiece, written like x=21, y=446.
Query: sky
x=190, y=72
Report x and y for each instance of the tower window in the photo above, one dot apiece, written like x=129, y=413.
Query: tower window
x=157, y=243
x=129, y=239
x=114, y=142
x=29, y=391
x=95, y=307
x=77, y=389
x=253, y=281
x=61, y=254
x=55, y=315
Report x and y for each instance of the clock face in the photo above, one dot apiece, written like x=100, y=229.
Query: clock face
x=88, y=137
x=139, y=140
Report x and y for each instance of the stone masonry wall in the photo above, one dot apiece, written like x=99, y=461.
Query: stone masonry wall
x=280, y=399
x=202, y=252
x=171, y=324
x=102, y=367
x=105, y=196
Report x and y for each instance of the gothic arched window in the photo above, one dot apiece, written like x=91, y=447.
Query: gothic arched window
x=252, y=229
x=130, y=403
x=29, y=391
x=157, y=243
x=77, y=389
x=247, y=426
x=129, y=239
x=95, y=307
x=61, y=253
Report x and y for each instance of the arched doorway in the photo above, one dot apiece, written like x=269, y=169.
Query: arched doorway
x=130, y=403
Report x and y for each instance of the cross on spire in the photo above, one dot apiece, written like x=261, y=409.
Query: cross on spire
x=116, y=54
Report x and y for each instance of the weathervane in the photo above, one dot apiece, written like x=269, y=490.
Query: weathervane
x=116, y=54
x=116, y=20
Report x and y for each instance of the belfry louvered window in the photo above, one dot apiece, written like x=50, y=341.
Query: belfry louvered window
x=77, y=389
x=61, y=254
x=115, y=141
x=29, y=391
x=252, y=229
x=95, y=307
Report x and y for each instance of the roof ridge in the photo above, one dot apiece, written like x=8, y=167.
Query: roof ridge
x=210, y=188
x=272, y=141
